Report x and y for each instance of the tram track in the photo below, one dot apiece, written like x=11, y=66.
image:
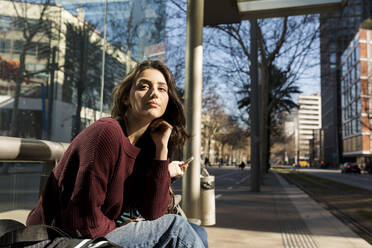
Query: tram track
x=312, y=185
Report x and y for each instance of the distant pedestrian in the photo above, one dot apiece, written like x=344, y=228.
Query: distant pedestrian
x=206, y=162
x=242, y=165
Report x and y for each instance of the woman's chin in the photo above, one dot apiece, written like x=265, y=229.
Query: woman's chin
x=152, y=116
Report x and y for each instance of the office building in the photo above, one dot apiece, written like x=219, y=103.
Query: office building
x=134, y=26
x=309, y=124
x=356, y=98
x=75, y=80
x=336, y=32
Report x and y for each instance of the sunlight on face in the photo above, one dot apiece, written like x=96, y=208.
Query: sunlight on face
x=149, y=97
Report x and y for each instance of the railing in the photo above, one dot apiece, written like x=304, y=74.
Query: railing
x=20, y=149
x=25, y=165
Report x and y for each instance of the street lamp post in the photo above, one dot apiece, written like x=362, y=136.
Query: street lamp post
x=193, y=96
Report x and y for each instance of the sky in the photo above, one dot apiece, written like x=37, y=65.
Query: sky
x=310, y=82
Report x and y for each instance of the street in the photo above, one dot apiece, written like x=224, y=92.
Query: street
x=20, y=190
x=357, y=180
x=226, y=179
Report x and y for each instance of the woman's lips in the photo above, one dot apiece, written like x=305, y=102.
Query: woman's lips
x=153, y=104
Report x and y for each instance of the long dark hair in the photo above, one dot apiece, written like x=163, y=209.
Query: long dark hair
x=174, y=114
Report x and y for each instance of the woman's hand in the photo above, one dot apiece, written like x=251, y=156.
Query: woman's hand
x=160, y=131
x=177, y=168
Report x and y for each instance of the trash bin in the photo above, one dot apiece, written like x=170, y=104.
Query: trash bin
x=207, y=200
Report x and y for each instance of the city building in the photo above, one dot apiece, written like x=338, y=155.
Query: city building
x=309, y=124
x=70, y=89
x=137, y=26
x=291, y=137
x=336, y=32
x=356, y=98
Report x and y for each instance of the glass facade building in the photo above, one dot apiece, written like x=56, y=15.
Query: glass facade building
x=53, y=61
x=59, y=67
x=336, y=32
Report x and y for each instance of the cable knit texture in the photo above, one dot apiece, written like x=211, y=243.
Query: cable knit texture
x=100, y=175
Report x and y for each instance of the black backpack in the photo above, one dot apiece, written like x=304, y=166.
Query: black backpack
x=14, y=234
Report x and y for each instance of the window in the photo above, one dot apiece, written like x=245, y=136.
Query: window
x=350, y=111
x=35, y=67
x=19, y=24
x=5, y=22
x=359, y=106
x=31, y=48
x=355, y=125
x=43, y=49
x=343, y=130
x=358, y=91
x=359, y=125
x=18, y=46
x=333, y=58
x=5, y=46
x=345, y=113
x=344, y=69
x=352, y=92
x=343, y=103
x=353, y=109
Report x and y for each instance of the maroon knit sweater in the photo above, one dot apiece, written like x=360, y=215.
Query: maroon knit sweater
x=95, y=178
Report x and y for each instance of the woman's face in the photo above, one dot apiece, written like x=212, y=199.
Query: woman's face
x=148, y=97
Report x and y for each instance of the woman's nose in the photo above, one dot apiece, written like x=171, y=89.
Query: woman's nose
x=154, y=93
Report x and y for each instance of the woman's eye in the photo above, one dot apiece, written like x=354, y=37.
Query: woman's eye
x=163, y=89
x=143, y=86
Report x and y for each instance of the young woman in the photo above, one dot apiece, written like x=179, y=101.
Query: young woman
x=118, y=169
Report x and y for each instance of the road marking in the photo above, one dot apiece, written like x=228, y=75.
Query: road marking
x=227, y=174
x=218, y=196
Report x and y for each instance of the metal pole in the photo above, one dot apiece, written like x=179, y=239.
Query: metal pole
x=103, y=61
x=51, y=94
x=193, y=96
x=255, y=143
x=43, y=114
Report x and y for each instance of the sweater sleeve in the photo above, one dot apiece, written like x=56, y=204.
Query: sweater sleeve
x=98, y=154
x=156, y=191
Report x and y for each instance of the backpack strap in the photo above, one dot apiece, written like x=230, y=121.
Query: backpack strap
x=7, y=225
x=31, y=234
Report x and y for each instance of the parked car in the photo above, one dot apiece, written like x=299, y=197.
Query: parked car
x=304, y=163
x=349, y=167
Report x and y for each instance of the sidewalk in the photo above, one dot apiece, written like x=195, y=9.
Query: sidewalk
x=281, y=215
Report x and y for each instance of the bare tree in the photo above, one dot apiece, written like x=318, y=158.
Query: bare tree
x=33, y=30
x=284, y=47
x=220, y=127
